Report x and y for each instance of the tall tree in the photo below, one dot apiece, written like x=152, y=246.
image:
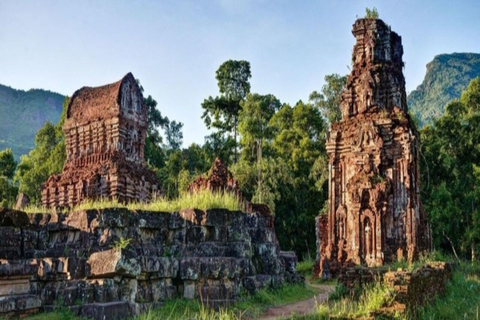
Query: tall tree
x=222, y=112
x=7, y=163
x=254, y=117
x=328, y=100
x=174, y=135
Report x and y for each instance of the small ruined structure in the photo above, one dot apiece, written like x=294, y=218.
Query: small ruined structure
x=105, y=130
x=374, y=214
x=217, y=179
x=220, y=179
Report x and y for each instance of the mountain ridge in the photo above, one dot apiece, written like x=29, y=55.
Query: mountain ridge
x=23, y=113
x=447, y=75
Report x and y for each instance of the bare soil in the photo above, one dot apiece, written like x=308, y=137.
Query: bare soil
x=301, y=307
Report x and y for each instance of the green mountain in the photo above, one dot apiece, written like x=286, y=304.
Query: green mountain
x=22, y=113
x=447, y=76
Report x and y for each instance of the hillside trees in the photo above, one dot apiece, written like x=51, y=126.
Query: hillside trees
x=46, y=158
x=8, y=191
x=450, y=173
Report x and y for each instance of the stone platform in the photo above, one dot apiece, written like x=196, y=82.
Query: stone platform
x=115, y=263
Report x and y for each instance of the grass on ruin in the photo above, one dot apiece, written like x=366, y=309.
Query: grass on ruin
x=202, y=200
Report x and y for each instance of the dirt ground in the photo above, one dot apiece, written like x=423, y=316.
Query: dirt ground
x=300, y=307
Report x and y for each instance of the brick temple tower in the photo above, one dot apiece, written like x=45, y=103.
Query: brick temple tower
x=105, y=130
x=374, y=214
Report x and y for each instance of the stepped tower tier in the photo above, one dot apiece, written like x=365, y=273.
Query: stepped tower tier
x=374, y=215
x=105, y=130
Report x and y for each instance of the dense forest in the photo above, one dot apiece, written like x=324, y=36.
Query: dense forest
x=277, y=153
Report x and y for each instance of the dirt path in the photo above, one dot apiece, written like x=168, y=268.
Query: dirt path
x=300, y=307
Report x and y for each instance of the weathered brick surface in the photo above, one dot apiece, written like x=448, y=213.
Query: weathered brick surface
x=105, y=130
x=76, y=259
x=375, y=215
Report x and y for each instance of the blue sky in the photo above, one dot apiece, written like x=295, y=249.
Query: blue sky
x=174, y=47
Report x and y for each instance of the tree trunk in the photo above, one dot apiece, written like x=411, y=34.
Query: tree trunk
x=259, y=168
x=451, y=244
x=235, y=137
x=472, y=248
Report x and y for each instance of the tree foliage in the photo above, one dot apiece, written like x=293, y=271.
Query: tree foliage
x=46, y=158
x=222, y=111
x=328, y=100
x=8, y=190
x=451, y=153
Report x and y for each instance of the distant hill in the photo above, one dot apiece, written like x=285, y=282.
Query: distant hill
x=22, y=113
x=447, y=75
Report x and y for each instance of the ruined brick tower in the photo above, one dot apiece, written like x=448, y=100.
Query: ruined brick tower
x=374, y=214
x=105, y=130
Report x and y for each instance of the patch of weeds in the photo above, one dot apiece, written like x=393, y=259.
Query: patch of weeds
x=305, y=267
x=339, y=293
x=122, y=243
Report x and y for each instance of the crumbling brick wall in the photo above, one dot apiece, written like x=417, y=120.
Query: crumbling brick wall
x=105, y=130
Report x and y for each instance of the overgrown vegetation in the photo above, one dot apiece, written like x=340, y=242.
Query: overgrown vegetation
x=305, y=267
x=371, y=300
x=461, y=301
x=202, y=200
x=371, y=13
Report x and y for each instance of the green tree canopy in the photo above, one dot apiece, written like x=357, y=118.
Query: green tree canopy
x=7, y=163
x=46, y=158
x=8, y=190
x=328, y=100
x=222, y=112
x=451, y=185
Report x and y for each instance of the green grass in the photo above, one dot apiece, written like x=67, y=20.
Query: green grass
x=305, y=267
x=462, y=298
x=202, y=200
x=246, y=307
x=372, y=299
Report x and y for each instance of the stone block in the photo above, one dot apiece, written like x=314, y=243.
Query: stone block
x=113, y=262
x=109, y=310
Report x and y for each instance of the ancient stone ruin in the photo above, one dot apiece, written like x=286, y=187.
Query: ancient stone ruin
x=105, y=130
x=115, y=263
x=374, y=215
x=220, y=179
x=217, y=179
